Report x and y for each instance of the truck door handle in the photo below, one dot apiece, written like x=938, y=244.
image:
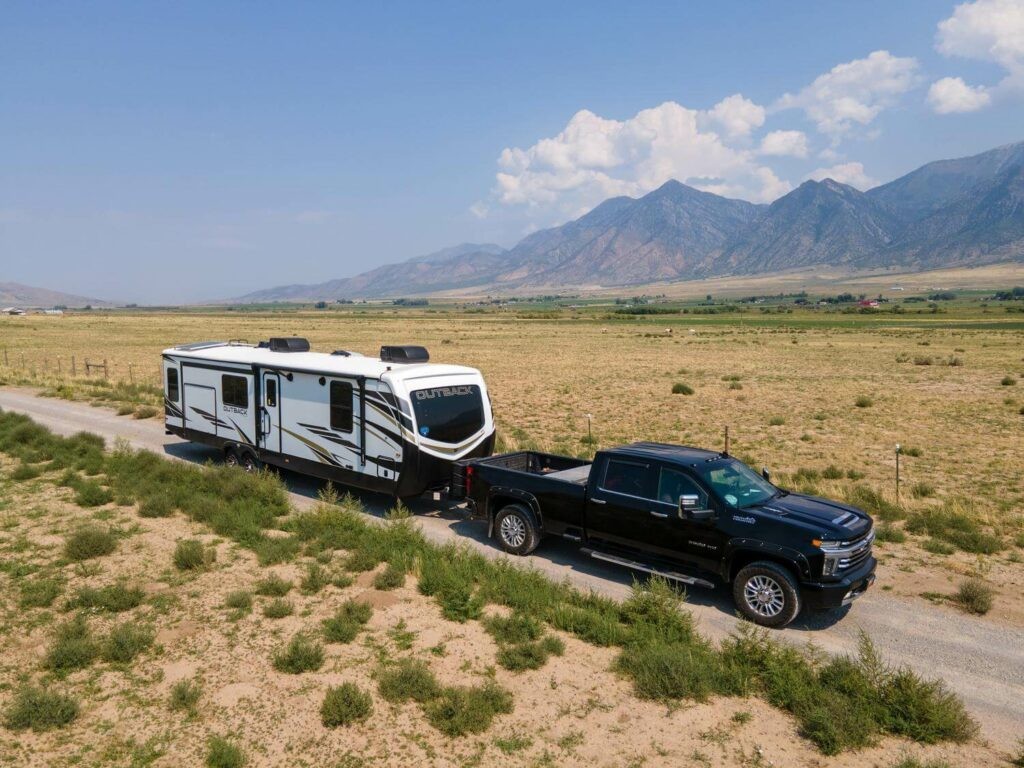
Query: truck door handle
x=659, y=514
x=599, y=501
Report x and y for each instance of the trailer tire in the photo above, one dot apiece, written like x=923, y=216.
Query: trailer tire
x=767, y=594
x=517, y=529
x=249, y=462
x=232, y=457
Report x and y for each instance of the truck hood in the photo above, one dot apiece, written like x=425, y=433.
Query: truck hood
x=832, y=519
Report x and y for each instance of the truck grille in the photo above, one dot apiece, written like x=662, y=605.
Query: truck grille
x=857, y=553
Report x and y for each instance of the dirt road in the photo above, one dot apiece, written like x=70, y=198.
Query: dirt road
x=981, y=661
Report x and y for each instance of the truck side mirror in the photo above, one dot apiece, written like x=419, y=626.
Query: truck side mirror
x=689, y=507
x=766, y=474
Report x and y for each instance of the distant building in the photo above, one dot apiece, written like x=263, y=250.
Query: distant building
x=867, y=303
x=12, y=311
x=53, y=311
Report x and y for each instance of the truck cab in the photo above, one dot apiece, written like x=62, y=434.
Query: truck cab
x=688, y=514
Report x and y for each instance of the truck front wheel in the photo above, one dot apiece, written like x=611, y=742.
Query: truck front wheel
x=517, y=530
x=767, y=594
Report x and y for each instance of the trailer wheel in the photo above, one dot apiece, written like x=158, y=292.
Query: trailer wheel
x=248, y=462
x=766, y=593
x=231, y=457
x=517, y=529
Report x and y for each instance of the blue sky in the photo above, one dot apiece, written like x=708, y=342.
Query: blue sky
x=165, y=152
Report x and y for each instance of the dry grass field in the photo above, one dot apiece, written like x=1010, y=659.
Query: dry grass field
x=135, y=635
x=821, y=399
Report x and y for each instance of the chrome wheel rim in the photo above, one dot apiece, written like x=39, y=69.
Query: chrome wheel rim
x=231, y=460
x=513, y=530
x=248, y=464
x=764, y=596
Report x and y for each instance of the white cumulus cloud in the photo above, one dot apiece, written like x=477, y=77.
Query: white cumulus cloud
x=594, y=158
x=785, y=144
x=736, y=115
x=852, y=174
x=985, y=30
x=855, y=92
x=952, y=94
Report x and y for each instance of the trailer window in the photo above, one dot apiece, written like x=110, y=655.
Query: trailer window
x=448, y=414
x=235, y=391
x=271, y=393
x=173, y=392
x=341, y=406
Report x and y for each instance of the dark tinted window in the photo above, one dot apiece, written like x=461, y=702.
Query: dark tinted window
x=448, y=414
x=235, y=391
x=271, y=393
x=172, y=385
x=627, y=477
x=672, y=484
x=341, y=406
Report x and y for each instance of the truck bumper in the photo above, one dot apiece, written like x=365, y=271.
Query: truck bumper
x=833, y=594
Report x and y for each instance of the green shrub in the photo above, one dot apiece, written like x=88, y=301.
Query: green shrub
x=889, y=532
x=39, y=709
x=239, y=600
x=1008, y=381
x=221, y=753
x=832, y=472
x=89, y=493
x=316, y=578
x=156, y=506
x=273, y=586
x=937, y=547
x=955, y=526
x=407, y=680
x=461, y=605
x=516, y=628
x=922, y=490
x=145, y=412
x=114, y=598
x=300, y=655
x=24, y=472
x=530, y=655
x=191, y=555
x=40, y=593
x=666, y=671
x=679, y=388
x=390, y=578
x=126, y=641
x=88, y=542
x=278, y=608
x=654, y=609
x=863, y=402
x=872, y=502
x=346, y=622
x=73, y=646
x=345, y=705
x=924, y=710
x=776, y=421
x=361, y=561
x=974, y=596
x=458, y=711
x=185, y=695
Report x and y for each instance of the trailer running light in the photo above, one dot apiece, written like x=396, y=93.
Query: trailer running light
x=469, y=479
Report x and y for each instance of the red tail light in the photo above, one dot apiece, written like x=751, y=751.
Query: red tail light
x=469, y=479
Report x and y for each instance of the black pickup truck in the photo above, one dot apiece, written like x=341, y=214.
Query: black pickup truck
x=690, y=515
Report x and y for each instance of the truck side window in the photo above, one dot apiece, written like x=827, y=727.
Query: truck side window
x=628, y=478
x=341, y=406
x=172, y=385
x=672, y=484
x=235, y=391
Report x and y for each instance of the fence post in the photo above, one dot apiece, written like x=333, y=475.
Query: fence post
x=131, y=375
x=105, y=375
x=73, y=365
x=5, y=357
x=58, y=367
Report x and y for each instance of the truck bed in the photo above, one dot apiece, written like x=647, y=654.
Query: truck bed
x=495, y=469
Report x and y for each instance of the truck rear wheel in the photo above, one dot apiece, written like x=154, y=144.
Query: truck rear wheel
x=517, y=529
x=767, y=594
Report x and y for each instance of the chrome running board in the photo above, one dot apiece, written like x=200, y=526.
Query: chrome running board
x=633, y=564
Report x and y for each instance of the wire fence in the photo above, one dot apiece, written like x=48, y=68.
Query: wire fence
x=44, y=367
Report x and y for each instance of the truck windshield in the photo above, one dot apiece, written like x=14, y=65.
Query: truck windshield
x=736, y=483
x=448, y=414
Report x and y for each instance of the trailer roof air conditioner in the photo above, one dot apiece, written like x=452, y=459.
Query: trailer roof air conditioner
x=287, y=344
x=406, y=353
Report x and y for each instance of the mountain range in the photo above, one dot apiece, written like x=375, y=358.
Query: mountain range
x=968, y=211
x=26, y=296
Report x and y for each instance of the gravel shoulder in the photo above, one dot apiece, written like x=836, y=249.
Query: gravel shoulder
x=981, y=660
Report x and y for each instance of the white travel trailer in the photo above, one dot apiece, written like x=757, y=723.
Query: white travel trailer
x=393, y=424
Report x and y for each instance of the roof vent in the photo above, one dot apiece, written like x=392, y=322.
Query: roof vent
x=406, y=353
x=288, y=344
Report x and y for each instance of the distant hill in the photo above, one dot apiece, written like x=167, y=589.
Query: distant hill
x=27, y=296
x=967, y=211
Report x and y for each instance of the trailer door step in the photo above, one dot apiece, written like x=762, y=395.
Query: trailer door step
x=633, y=564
